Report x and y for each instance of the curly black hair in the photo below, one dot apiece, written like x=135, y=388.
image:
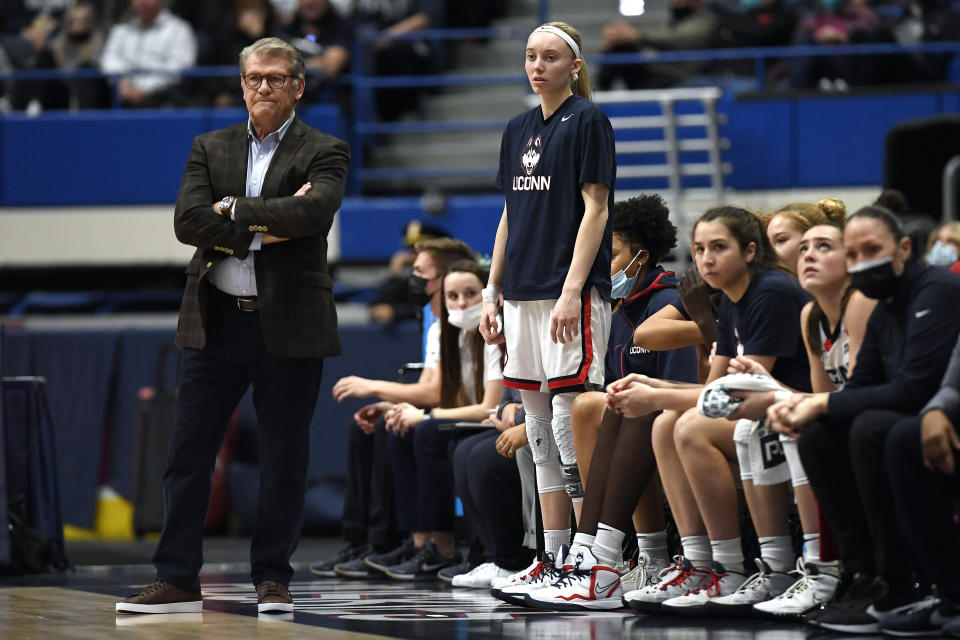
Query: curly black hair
x=645, y=222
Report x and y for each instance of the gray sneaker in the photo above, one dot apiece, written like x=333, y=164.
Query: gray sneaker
x=427, y=561
x=326, y=568
x=381, y=561
x=356, y=568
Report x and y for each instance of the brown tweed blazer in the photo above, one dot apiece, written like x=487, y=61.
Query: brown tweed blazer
x=297, y=311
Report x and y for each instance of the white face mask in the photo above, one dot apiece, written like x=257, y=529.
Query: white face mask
x=467, y=319
x=942, y=254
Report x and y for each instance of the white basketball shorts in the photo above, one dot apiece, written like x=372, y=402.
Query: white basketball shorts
x=535, y=363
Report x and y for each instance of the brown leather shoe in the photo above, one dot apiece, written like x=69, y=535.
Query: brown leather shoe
x=273, y=596
x=161, y=597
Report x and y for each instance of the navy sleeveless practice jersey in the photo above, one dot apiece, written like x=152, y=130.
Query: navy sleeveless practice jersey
x=543, y=165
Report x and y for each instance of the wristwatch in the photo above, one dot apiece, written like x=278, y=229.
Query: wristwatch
x=225, y=205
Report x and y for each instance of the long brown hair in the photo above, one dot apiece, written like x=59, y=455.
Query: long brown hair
x=451, y=382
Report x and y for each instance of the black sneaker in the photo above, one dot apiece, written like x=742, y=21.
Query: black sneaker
x=351, y=552
x=863, y=606
x=427, y=561
x=380, y=561
x=924, y=618
x=447, y=575
x=356, y=568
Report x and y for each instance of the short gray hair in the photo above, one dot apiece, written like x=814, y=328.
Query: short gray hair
x=274, y=48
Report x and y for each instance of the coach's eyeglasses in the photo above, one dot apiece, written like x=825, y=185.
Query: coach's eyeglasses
x=254, y=80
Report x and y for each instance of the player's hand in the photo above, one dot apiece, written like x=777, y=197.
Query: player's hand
x=367, y=415
x=511, y=440
x=565, y=319
x=509, y=414
x=633, y=401
x=304, y=190
x=939, y=438
x=791, y=416
x=403, y=417
x=489, y=327
x=754, y=405
x=695, y=296
x=742, y=364
x=352, y=387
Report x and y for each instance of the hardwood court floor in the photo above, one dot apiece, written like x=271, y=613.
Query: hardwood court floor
x=80, y=605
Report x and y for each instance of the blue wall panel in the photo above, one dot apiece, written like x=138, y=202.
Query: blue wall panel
x=372, y=228
x=840, y=139
x=762, y=145
x=111, y=157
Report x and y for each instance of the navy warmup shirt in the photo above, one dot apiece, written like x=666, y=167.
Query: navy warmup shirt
x=543, y=165
x=907, y=346
x=657, y=290
x=766, y=322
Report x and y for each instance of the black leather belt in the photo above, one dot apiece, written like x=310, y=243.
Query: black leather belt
x=248, y=304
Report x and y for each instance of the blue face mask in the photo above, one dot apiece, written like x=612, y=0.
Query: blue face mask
x=942, y=254
x=620, y=284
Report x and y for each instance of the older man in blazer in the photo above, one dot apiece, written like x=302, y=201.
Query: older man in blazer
x=257, y=200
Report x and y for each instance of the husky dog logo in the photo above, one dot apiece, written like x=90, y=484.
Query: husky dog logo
x=531, y=154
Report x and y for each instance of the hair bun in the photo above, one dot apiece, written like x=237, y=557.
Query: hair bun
x=833, y=208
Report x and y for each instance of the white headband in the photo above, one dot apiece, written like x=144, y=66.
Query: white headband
x=563, y=34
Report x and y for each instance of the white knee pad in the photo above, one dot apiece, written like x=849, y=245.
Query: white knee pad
x=562, y=429
x=798, y=476
x=743, y=460
x=544, y=450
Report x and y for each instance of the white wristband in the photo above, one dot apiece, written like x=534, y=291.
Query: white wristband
x=490, y=293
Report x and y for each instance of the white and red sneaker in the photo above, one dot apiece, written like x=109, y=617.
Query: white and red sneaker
x=587, y=585
x=719, y=582
x=540, y=574
x=675, y=580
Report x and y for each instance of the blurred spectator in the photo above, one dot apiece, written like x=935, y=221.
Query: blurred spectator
x=25, y=29
x=757, y=23
x=693, y=26
x=19, y=15
x=76, y=46
x=941, y=23
x=324, y=39
x=839, y=22
x=208, y=20
x=761, y=23
x=943, y=246
x=400, y=57
x=392, y=302
x=474, y=14
x=153, y=40
x=246, y=22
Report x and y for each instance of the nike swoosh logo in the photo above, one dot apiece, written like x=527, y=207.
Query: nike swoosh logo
x=920, y=314
x=601, y=589
x=566, y=117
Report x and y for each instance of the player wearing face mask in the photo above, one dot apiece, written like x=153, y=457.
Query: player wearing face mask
x=943, y=249
x=471, y=380
x=841, y=434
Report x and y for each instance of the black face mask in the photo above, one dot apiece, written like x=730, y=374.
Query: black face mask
x=79, y=37
x=418, y=290
x=875, y=278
